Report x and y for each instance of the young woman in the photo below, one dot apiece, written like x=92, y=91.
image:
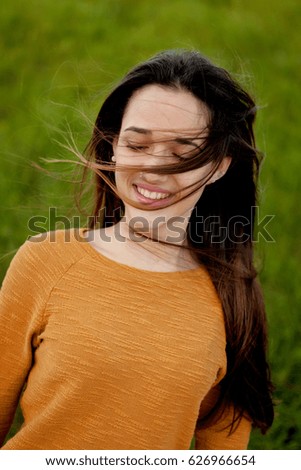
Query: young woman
x=147, y=328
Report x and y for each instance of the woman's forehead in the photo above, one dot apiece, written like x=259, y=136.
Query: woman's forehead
x=156, y=107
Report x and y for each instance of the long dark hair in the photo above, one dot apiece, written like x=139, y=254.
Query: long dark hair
x=225, y=211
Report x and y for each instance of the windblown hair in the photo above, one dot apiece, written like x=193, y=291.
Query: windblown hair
x=225, y=212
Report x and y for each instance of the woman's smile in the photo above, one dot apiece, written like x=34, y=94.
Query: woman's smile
x=152, y=196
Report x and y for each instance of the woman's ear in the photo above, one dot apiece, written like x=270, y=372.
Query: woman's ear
x=114, y=143
x=221, y=170
x=114, y=146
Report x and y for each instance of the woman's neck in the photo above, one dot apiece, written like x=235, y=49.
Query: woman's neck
x=122, y=244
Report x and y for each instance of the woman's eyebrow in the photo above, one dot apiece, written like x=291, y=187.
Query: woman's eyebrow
x=139, y=130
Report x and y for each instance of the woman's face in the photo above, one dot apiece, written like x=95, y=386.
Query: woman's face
x=160, y=126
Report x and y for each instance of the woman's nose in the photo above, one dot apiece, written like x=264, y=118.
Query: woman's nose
x=154, y=159
x=153, y=178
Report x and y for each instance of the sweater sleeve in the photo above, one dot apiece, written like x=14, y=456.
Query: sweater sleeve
x=22, y=299
x=216, y=435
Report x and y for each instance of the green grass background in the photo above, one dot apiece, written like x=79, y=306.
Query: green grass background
x=59, y=59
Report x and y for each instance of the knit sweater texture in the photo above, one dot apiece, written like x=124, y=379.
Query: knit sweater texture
x=106, y=356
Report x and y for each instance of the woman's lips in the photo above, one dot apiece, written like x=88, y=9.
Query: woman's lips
x=151, y=196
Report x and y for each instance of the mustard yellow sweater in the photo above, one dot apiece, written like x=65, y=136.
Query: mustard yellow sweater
x=111, y=357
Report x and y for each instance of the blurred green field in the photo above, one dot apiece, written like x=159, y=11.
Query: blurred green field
x=58, y=60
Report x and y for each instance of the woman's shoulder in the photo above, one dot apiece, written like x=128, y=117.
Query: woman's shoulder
x=63, y=243
x=50, y=253
x=56, y=241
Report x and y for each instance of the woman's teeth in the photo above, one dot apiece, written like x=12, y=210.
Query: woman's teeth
x=152, y=194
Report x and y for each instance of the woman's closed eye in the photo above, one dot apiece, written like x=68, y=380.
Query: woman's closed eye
x=184, y=155
x=140, y=148
x=136, y=147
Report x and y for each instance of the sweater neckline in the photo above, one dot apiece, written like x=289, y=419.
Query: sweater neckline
x=86, y=245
